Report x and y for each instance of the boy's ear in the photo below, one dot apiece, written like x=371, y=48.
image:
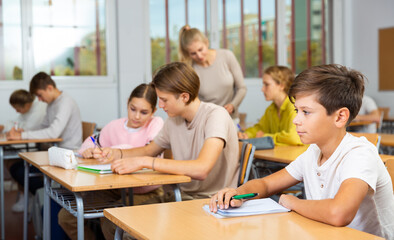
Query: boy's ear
x=49, y=87
x=342, y=116
x=185, y=97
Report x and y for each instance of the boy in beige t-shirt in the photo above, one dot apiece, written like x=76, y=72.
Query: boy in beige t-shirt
x=202, y=137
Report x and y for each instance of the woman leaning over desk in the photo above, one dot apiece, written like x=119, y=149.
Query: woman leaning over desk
x=277, y=121
x=220, y=75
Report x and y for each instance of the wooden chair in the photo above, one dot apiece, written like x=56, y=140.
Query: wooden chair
x=88, y=128
x=246, y=154
x=384, y=114
x=390, y=169
x=374, y=138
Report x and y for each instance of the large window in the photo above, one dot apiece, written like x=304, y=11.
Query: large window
x=10, y=40
x=166, y=19
x=249, y=28
x=60, y=37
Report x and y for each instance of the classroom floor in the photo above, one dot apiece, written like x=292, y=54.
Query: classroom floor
x=14, y=221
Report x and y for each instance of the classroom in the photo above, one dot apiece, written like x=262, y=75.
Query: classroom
x=98, y=52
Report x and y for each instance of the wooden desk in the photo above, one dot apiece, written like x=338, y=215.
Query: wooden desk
x=3, y=143
x=359, y=123
x=387, y=139
x=80, y=181
x=187, y=220
x=280, y=154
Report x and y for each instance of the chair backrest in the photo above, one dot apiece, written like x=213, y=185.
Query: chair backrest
x=88, y=128
x=246, y=159
x=374, y=138
x=385, y=111
x=390, y=169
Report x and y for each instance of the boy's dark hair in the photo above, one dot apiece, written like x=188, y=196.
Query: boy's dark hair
x=335, y=85
x=145, y=91
x=20, y=97
x=177, y=78
x=40, y=81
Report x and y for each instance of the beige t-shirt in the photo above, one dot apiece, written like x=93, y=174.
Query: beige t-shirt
x=186, y=141
x=222, y=82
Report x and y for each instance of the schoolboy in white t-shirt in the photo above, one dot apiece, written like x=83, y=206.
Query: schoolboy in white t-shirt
x=345, y=180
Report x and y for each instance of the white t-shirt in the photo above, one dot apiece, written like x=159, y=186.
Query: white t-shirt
x=354, y=158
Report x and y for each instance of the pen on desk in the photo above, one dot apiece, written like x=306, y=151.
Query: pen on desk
x=243, y=196
x=96, y=143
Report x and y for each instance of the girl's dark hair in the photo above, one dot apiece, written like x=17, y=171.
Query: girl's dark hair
x=145, y=91
x=177, y=78
x=335, y=85
x=21, y=97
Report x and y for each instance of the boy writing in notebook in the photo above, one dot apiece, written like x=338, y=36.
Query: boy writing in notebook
x=346, y=182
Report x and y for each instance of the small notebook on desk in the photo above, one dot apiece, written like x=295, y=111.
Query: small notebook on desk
x=99, y=169
x=248, y=208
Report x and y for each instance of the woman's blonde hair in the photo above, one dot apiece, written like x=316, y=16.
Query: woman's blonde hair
x=188, y=35
x=281, y=75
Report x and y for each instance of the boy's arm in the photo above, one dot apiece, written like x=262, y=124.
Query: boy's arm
x=338, y=211
x=195, y=168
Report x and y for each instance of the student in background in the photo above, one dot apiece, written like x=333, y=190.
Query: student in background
x=137, y=130
x=62, y=120
x=368, y=112
x=277, y=121
x=220, y=75
x=31, y=111
x=346, y=182
x=201, y=136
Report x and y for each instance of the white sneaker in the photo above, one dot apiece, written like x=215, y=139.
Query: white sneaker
x=19, y=205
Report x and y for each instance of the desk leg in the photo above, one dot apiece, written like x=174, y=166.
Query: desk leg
x=2, y=191
x=47, y=209
x=118, y=233
x=177, y=192
x=80, y=219
x=26, y=200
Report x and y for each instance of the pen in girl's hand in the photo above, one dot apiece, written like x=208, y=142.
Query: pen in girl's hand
x=95, y=143
x=239, y=128
x=244, y=196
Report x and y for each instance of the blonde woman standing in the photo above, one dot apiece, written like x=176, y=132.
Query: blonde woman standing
x=220, y=74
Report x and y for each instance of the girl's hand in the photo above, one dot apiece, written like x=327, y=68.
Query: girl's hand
x=222, y=198
x=88, y=153
x=287, y=201
x=259, y=134
x=242, y=135
x=127, y=165
x=229, y=107
x=107, y=155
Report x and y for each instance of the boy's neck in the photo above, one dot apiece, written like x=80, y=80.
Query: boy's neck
x=191, y=110
x=56, y=93
x=328, y=147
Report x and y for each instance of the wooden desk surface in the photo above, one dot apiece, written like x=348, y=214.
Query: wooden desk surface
x=387, y=139
x=4, y=141
x=187, y=220
x=281, y=154
x=78, y=181
x=359, y=123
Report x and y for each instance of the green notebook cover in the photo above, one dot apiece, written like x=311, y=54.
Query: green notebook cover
x=99, y=169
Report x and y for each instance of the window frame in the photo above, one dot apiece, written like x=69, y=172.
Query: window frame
x=28, y=67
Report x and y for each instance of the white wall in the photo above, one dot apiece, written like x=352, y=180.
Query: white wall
x=362, y=21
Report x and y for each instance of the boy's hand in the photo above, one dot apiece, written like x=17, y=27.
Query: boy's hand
x=242, y=135
x=222, y=198
x=127, y=165
x=287, y=201
x=107, y=155
x=14, y=134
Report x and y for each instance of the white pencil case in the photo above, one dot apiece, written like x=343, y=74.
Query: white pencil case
x=62, y=157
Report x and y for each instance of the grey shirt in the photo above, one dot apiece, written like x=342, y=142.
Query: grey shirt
x=222, y=82
x=62, y=120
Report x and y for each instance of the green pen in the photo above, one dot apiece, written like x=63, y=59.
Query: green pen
x=245, y=196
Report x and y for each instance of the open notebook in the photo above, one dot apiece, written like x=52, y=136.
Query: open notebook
x=99, y=169
x=250, y=207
